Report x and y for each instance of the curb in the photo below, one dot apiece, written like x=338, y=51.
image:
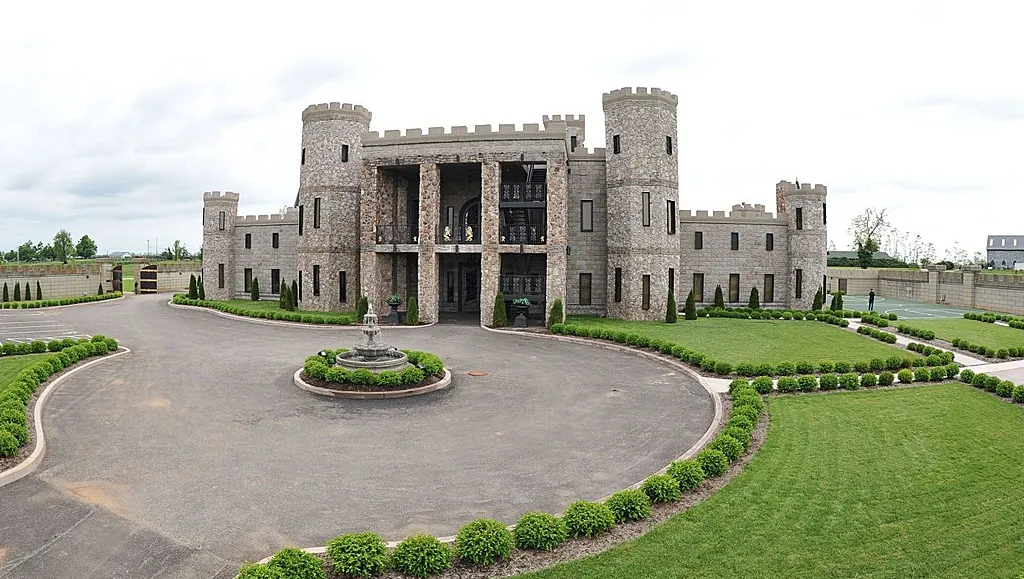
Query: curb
x=29, y=465
x=357, y=395
x=290, y=324
x=67, y=306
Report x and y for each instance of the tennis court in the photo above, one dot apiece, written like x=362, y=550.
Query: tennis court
x=905, y=309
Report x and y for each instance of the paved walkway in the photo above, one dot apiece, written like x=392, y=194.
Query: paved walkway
x=902, y=340
x=195, y=452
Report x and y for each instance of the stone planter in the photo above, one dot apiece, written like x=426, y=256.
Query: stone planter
x=393, y=315
x=519, y=313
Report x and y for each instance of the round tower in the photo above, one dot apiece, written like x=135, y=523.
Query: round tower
x=219, y=212
x=805, y=210
x=642, y=164
x=328, y=201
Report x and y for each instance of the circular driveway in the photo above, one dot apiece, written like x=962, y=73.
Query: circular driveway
x=199, y=439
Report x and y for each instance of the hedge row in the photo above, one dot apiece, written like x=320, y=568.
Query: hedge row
x=284, y=315
x=989, y=318
x=880, y=335
x=36, y=347
x=933, y=356
x=875, y=319
x=14, y=397
x=916, y=332
x=1002, y=388
x=709, y=364
x=850, y=380
x=749, y=313
x=322, y=367
x=60, y=302
x=487, y=541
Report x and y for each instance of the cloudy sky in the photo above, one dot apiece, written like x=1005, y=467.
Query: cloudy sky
x=115, y=117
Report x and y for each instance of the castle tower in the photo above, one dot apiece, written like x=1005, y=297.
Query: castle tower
x=804, y=208
x=219, y=212
x=642, y=161
x=328, y=200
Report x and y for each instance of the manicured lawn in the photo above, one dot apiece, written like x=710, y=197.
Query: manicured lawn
x=272, y=306
x=989, y=335
x=757, y=341
x=128, y=278
x=11, y=365
x=915, y=482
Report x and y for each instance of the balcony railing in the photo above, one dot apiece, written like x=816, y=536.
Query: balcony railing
x=397, y=234
x=525, y=285
x=460, y=234
x=524, y=234
x=524, y=192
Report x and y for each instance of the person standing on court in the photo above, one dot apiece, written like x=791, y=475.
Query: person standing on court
x=871, y=299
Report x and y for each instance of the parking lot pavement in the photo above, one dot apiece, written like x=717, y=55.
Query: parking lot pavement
x=21, y=327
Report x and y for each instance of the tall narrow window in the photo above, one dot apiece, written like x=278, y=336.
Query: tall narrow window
x=220, y=275
x=618, y=284
x=303, y=161
x=316, y=280
x=668, y=145
x=769, y=241
x=799, y=218
x=584, y=289
x=248, y=241
x=672, y=280
x=734, y=240
x=342, y=287
x=247, y=280
x=645, y=300
x=451, y=217
x=221, y=223
x=316, y=213
x=698, y=287
x=698, y=240
x=768, y=296
x=587, y=215
x=302, y=214
x=799, y=293
x=824, y=214
x=300, y=285
x=616, y=149
x=275, y=240
x=670, y=217
x=344, y=153
x=734, y=287
x=572, y=144
x=645, y=208
x=450, y=287
x=275, y=281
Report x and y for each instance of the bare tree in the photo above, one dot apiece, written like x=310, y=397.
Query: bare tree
x=870, y=225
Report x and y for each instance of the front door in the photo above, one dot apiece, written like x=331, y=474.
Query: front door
x=469, y=287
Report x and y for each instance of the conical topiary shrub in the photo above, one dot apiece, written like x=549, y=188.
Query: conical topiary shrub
x=28, y=292
x=7, y=294
x=255, y=294
x=671, y=310
x=193, y=290
x=293, y=295
x=719, y=298
x=412, y=312
x=691, y=307
x=17, y=292
x=499, y=319
x=99, y=291
x=818, y=300
x=39, y=291
x=201, y=288
x=362, y=306
x=754, y=302
x=556, y=315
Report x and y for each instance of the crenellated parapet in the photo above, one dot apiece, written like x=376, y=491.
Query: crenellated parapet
x=335, y=111
x=741, y=213
x=584, y=154
x=785, y=187
x=505, y=132
x=288, y=216
x=225, y=196
x=640, y=93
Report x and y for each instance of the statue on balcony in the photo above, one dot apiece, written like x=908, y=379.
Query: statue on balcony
x=447, y=233
x=469, y=233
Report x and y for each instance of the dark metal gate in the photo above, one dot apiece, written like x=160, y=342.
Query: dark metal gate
x=147, y=280
x=115, y=279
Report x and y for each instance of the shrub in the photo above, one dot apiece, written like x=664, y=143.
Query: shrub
x=754, y=302
x=8, y=443
x=849, y=381
x=202, y=289
x=829, y=382
x=763, y=385
x=688, y=474
x=99, y=290
x=737, y=384
x=485, y=541
x=193, y=289
x=979, y=381
x=991, y=383
x=1005, y=389
x=718, y=303
x=747, y=402
x=807, y=383
x=740, y=434
x=257, y=571
x=804, y=368
x=630, y=505
x=785, y=368
x=819, y=298
x=713, y=462
x=788, y=384
x=826, y=366
x=412, y=312
x=967, y=375
x=541, y=531
x=691, y=307
x=1018, y=393
x=556, y=314
x=741, y=421
x=362, y=306
x=905, y=376
x=886, y=378
x=499, y=319
x=358, y=554
x=297, y=564
x=746, y=369
x=893, y=317
x=765, y=369
x=861, y=367
x=421, y=556
x=868, y=380
x=671, y=311
x=660, y=488
x=723, y=368
x=729, y=446
x=587, y=519
x=9, y=416
x=843, y=367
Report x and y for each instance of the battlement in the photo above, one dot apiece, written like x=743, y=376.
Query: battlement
x=569, y=119
x=804, y=189
x=220, y=196
x=287, y=216
x=745, y=209
x=742, y=213
x=641, y=93
x=334, y=109
x=530, y=131
x=585, y=154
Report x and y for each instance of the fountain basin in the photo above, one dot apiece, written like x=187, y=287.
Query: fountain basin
x=375, y=360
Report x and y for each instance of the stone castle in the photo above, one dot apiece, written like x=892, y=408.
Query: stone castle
x=453, y=217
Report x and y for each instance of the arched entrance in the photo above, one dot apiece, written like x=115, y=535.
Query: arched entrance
x=469, y=221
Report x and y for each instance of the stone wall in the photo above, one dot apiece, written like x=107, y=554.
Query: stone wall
x=58, y=281
x=262, y=256
x=588, y=249
x=858, y=281
x=219, y=244
x=807, y=245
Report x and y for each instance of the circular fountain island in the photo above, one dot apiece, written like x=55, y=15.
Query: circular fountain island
x=372, y=369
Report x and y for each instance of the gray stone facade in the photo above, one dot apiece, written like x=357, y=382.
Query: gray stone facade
x=453, y=216
x=1003, y=251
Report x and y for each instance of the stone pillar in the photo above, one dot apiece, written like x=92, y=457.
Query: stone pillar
x=557, y=201
x=430, y=199
x=490, y=259
x=369, y=206
x=970, y=277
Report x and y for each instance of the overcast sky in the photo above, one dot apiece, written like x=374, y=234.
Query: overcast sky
x=115, y=117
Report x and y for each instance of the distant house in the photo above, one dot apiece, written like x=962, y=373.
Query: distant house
x=1003, y=251
x=120, y=255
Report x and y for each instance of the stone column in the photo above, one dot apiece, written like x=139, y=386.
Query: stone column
x=557, y=201
x=970, y=277
x=369, y=197
x=430, y=198
x=490, y=259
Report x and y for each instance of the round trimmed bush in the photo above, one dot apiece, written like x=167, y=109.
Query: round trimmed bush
x=905, y=376
x=991, y=383
x=861, y=367
x=746, y=369
x=849, y=381
x=843, y=367
x=11, y=401
x=804, y=368
x=723, y=368
x=868, y=380
x=807, y=383
x=687, y=473
x=1005, y=389
x=629, y=505
x=358, y=554
x=19, y=432
x=730, y=447
x=826, y=366
x=740, y=383
x=258, y=571
x=979, y=381
x=763, y=385
x=744, y=409
x=11, y=416
x=588, y=519
x=753, y=400
x=785, y=368
x=485, y=541
x=765, y=369
x=739, y=434
x=8, y=443
x=952, y=370
x=829, y=382
x=713, y=462
x=542, y=531
x=297, y=564
x=660, y=488
x=967, y=375
x=788, y=384
x=886, y=378
x=421, y=556
x=1018, y=393
x=740, y=421
x=877, y=364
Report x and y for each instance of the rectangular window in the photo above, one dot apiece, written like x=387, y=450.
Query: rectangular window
x=769, y=241
x=247, y=280
x=698, y=287
x=248, y=241
x=275, y=240
x=450, y=287
x=316, y=280
x=303, y=161
x=275, y=281
x=645, y=300
x=302, y=213
x=618, y=284
x=342, y=287
x=668, y=145
x=450, y=214
x=698, y=240
x=670, y=217
x=586, y=215
x=799, y=218
x=734, y=287
x=768, y=296
x=584, y=289
x=572, y=144
x=316, y=213
x=220, y=275
x=344, y=153
x=300, y=285
x=616, y=149
x=221, y=223
x=672, y=280
x=799, y=283
x=824, y=214
x=645, y=208
x=734, y=240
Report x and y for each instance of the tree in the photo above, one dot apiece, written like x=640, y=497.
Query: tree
x=201, y=288
x=819, y=299
x=39, y=291
x=28, y=292
x=63, y=246
x=99, y=291
x=17, y=292
x=282, y=297
x=556, y=315
x=45, y=252
x=362, y=306
x=294, y=296
x=870, y=225
x=178, y=251
x=412, y=312
x=499, y=319
x=255, y=295
x=754, y=302
x=865, y=251
x=86, y=248
x=193, y=288
x=671, y=310
x=837, y=302
x=27, y=252
x=691, y=307
x=7, y=294
x=167, y=254
x=719, y=298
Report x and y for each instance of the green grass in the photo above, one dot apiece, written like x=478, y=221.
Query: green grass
x=986, y=334
x=756, y=341
x=272, y=306
x=128, y=278
x=915, y=482
x=11, y=365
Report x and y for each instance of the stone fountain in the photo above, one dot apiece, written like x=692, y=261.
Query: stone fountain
x=372, y=354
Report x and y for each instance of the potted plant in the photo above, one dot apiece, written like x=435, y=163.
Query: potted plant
x=393, y=302
x=520, y=307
